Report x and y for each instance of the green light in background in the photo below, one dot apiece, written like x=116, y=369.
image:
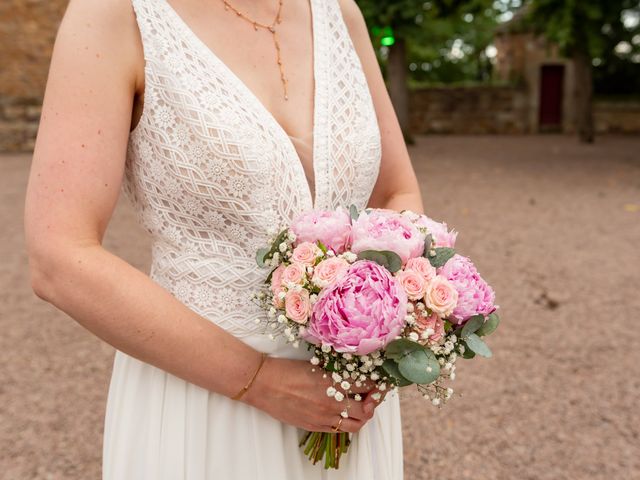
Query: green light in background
x=387, y=41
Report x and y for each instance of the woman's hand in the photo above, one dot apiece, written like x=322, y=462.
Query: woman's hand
x=291, y=392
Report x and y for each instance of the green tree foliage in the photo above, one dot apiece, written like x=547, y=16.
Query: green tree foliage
x=441, y=40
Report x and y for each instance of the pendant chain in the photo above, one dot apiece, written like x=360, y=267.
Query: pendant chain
x=271, y=28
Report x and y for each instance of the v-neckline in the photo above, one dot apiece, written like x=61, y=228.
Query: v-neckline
x=261, y=107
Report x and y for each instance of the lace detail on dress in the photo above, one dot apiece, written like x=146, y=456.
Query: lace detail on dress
x=209, y=170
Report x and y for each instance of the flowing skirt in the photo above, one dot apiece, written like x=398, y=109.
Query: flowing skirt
x=160, y=427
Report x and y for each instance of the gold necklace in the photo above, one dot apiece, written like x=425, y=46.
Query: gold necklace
x=270, y=28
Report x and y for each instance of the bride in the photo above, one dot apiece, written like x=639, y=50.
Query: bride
x=219, y=119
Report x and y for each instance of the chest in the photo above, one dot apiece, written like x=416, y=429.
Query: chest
x=269, y=46
x=207, y=140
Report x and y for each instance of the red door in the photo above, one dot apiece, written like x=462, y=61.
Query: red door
x=551, y=93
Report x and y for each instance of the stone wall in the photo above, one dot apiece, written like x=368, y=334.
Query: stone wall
x=27, y=32
x=469, y=110
x=617, y=117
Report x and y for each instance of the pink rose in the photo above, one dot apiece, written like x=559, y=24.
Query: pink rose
x=382, y=229
x=297, y=305
x=332, y=228
x=328, y=271
x=433, y=322
x=441, y=296
x=294, y=273
x=361, y=312
x=475, y=296
x=423, y=267
x=305, y=253
x=413, y=283
x=276, y=285
x=440, y=233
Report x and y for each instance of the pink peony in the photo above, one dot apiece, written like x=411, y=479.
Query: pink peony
x=276, y=285
x=305, y=253
x=328, y=271
x=423, y=267
x=294, y=273
x=297, y=305
x=475, y=296
x=383, y=229
x=441, y=296
x=413, y=283
x=360, y=313
x=433, y=322
x=332, y=228
x=440, y=233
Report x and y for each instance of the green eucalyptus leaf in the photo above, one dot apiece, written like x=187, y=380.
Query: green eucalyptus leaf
x=475, y=343
x=419, y=367
x=391, y=368
x=468, y=353
x=493, y=320
x=390, y=260
x=353, y=211
x=442, y=256
x=261, y=255
x=472, y=325
x=397, y=349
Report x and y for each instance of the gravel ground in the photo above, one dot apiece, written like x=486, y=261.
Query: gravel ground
x=552, y=224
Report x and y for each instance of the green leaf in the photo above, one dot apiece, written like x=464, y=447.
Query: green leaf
x=442, y=256
x=353, y=211
x=261, y=255
x=472, y=325
x=398, y=349
x=427, y=245
x=448, y=326
x=282, y=236
x=493, y=320
x=391, y=368
x=268, y=280
x=321, y=246
x=468, y=353
x=331, y=366
x=390, y=260
x=478, y=346
x=420, y=367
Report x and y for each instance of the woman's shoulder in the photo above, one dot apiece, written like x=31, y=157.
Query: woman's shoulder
x=353, y=17
x=106, y=28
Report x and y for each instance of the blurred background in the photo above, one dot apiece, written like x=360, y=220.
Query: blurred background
x=523, y=120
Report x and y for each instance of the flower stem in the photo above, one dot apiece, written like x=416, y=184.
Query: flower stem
x=328, y=446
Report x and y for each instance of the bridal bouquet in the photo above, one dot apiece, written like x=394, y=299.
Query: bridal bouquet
x=380, y=297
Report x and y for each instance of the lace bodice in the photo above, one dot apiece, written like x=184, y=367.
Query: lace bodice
x=209, y=170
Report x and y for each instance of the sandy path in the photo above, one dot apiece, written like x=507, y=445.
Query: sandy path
x=554, y=225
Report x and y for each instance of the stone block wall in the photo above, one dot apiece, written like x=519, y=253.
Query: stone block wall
x=469, y=110
x=27, y=32
x=617, y=117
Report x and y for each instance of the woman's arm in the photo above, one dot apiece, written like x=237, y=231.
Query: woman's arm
x=397, y=187
x=74, y=183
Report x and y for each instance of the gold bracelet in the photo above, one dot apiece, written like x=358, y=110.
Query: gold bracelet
x=238, y=395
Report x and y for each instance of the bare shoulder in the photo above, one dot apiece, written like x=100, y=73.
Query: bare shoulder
x=353, y=18
x=105, y=28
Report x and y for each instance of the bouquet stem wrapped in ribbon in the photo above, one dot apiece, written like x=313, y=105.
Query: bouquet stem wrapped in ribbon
x=379, y=296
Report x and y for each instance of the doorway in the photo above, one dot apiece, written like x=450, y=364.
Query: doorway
x=551, y=97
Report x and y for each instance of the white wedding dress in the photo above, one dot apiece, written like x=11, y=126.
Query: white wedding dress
x=209, y=171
